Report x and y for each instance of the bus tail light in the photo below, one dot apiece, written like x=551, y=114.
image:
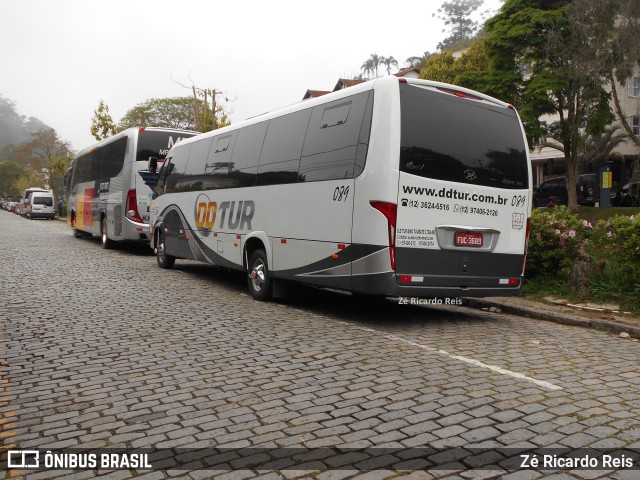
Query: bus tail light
x=132, y=206
x=389, y=210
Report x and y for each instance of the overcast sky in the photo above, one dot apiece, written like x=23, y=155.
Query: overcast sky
x=61, y=57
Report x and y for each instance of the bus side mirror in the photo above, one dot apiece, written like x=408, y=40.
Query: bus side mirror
x=152, y=165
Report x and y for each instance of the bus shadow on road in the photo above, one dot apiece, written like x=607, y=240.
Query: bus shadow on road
x=364, y=309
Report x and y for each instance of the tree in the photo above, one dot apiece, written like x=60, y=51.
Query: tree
x=160, y=112
x=45, y=144
x=444, y=67
x=538, y=63
x=207, y=113
x=597, y=149
x=372, y=64
x=15, y=128
x=440, y=68
x=456, y=15
x=389, y=62
x=414, y=62
x=10, y=172
x=418, y=61
x=610, y=31
x=57, y=167
x=102, y=125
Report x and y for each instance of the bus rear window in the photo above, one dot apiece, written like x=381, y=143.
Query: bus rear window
x=157, y=144
x=46, y=201
x=461, y=140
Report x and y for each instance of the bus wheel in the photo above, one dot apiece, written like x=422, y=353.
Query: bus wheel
x=164, y=260
x=259, y=279
x=104, y=240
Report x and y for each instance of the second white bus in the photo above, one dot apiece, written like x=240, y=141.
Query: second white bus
x=108, y=195
x=394, y=187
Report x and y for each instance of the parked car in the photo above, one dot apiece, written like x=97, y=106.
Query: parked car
x=628, y=196
x=40, y=205
x=553, y=191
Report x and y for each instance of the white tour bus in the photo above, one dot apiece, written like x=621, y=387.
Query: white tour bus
x=108, y=195
x=391, y=187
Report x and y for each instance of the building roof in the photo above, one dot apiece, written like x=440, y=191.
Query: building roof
x=346, y=83
x=402, y=73
x=315, y=93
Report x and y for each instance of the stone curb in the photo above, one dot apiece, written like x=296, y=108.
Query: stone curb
x=564, y=319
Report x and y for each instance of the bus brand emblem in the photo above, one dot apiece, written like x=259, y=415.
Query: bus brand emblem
x=470, y=175
x=205, y=214
x=234, y=215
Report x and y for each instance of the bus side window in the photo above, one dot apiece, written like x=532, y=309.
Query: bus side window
x=331, y=141
x=280, y=158
x=175, y=180
x=219, y=167
x=363, y=139
x=162, y=177
x=192, y=170
x=245, y=155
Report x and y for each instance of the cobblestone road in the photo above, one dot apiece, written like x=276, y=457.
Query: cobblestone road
x=102, y=349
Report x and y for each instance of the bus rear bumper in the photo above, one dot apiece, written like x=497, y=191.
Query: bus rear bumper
x=390, y=284
x=134, y=231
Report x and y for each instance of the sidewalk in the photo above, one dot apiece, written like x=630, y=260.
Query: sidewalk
x=600, y=317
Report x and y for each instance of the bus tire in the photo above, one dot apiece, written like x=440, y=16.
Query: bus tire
x=104, y=239
x=258, y=277
x=164, y=260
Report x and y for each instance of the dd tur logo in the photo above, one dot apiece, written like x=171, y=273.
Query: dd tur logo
x=234, y=215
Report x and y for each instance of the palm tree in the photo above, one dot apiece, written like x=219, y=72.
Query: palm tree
x=374, y=61
x=389, y=61
x=367, y=67
x=598, y=149
x=413, y=62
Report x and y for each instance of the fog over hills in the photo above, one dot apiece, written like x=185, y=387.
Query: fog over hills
x=15, y=128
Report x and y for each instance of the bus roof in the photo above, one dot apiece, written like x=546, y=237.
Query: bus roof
x=382, y=82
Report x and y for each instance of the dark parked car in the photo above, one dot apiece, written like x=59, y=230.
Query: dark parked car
x=554, y=192
x=628, y=196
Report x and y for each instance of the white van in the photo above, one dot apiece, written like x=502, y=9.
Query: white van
x=24, y=199
x=40, y=205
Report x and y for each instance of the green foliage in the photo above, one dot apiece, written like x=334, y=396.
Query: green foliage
x=10, y=172
x=440, y=68
x=161, y=112
x=57, y=167
x=463, y=71
x=543, y=66
x=102, y=125
x=616, y=246
x=558, y=238
x=209, y=114
x=25, y=163
x=612, y=247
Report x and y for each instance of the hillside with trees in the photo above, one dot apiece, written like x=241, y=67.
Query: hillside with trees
x=15, y=128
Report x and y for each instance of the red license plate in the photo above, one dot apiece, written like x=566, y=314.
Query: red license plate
x=468, y=239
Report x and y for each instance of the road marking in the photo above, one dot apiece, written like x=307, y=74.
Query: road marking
x=472, y=361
